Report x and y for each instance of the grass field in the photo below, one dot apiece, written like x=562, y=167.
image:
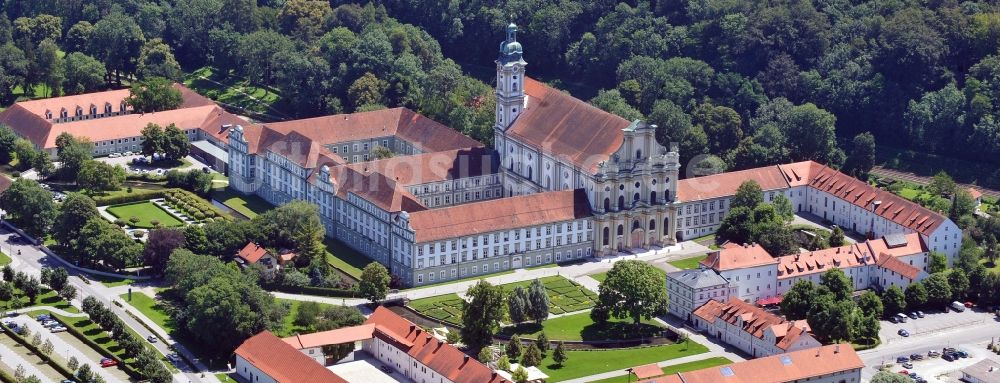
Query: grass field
x=151, y=309
x=288, y=327
x=111, y=282
x=683, y=367
x=4, y=259
x=248, y=205
x=564, y=296
x=581, y=327
x=147, y=212
x=231, y=89
x=224, y=378
x=345, y=258
x=688, y=263
x=585, y=363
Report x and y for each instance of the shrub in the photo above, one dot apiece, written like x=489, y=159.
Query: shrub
x=199, y=216
x=133, y=219
x=120, y=223
x=15, y=174
x=155, y=223
x=137, y=234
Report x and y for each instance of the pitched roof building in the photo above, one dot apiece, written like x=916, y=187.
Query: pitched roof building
x=751, y=329
x=265, y=355
x=835, y=363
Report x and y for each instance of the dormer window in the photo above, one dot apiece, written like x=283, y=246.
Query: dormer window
x=79, y=111
x=93, y=109
x=122, y=108
x=107, y=108
x=63, y=113
x=48, y=114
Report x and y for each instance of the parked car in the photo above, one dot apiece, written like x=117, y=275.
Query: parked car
x=968, y=305
x=902, y=332
x=900, y=318
x=912, y=315
x=961, y=353
x=920, y=314
x=907, y=365
x=902, y=359
x=934, y=354
x=58, y=329
x=128, y=154
x=108, y=362
x=43, y=317
x=114, y=155
x=50, y=324
x=13, y=314
x=151, y=339
x=957, y=306
x=948, y=349
x=949, y=356
x=917, y=357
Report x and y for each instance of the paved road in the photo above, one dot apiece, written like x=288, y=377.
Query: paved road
x=13, y=359
x=31, y=260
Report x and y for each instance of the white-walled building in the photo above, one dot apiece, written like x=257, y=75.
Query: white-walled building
x=265, y=358
x=692, y=288
x=751, y=329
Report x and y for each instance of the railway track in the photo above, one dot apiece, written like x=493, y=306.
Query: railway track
x=921, y=180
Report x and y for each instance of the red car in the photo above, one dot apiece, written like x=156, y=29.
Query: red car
x=108, y=362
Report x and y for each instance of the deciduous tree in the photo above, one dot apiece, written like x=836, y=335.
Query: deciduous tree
x=153, y=94
x=374, y=283
x=482, y=314
x=29, y=207
x=633, y=290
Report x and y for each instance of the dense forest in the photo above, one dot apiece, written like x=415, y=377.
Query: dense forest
x=752, y=82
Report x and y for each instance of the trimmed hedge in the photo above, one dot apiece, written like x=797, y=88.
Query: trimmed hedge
x=47, y=358
x=136, y=195
x=191, y=204
x=321, y=291
x=7, y=378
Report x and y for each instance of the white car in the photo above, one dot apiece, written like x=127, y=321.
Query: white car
x=128, y=153
x=58, y=329
x=114, y=155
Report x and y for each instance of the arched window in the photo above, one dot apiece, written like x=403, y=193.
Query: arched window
x=635, y=225
x=529, y=172
x=607, y=204
x=621, y=230
x=652, y=224
x=635, y=197
x=666, y=225
x=510, y=164
x=548, y=181
x=607, y=233
x=666, y=195
x=652, y=197
x=638, y=154
x=621, y=202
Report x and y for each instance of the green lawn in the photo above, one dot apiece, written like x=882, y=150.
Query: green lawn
x=585, y=363
x=248, y=205
x=564, y=296
x=446, y=307
x=112, y=282
x=224, y=378
x=994, y=267
x=4, y=259
x=288, y=327
x=688, y=263
x=46, y=298
x=231, y=89
x=683, y=367
x=345, y=258
x=147, y=212
x=581, y=327
x=151, y=309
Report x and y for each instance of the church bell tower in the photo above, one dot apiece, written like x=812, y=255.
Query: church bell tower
x=510, y=81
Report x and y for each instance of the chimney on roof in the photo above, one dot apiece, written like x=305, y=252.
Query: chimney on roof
x=836, y=349
x=465, y=358
x=412, y=326
x=817, y=351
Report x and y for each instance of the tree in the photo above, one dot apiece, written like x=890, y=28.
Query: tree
x=532, y=355
x=72, y=363
x=367, y=90
x=84, y=373
x=19, y=373
x=160, y=243
x=78, y=36
x=29, y=207
x=938, y=291
x=75, y=211
x=105, y=243
x=517, y=304
x=257, y=53
x=47, y=347
x=101, y=176
x=916, y=296
x=748, y=195
x=50, y=63
x=6, y=291
x=83, y=73
x=721, y=124
x=839, y=284
x=7, y=139
x=861, y=159
x=116, y=41
x=962, y=204
x=153, y=94
x=514, y=347
x=797, y=301
x=68, y=292
x=485, y=356
x=15, y=70
x=938, y=263
x=543, y=343
x=374, y=283
x=504, y=363
x=889, y=377
x=58, y=278
x=482, y=314
x=941, y=184
x=304, y=19
x=538, y=298
x=156, y=59
x=559, y=355
x=31, y=289
x=633, y=289
x=25, y=152
x=959, y=284
x=784, y=207
x=611, y=101
x=73, y=152
x=520, y=375
x=175, y=143
x=837, y=237
x=307, y=314
x=870, y=304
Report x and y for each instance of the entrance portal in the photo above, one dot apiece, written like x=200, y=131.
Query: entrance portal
x=638, y=238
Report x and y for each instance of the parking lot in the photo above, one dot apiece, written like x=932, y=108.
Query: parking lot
x=933, y=322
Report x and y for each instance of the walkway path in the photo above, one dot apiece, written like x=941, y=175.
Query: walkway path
x=51, y=309
x=13, y=359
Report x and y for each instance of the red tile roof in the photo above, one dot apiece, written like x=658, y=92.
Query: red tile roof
x=423, y=133
x=376, y=188
x=647, y=371
x=331, y=337
x=976, y=194
x=441, y=357
x=822, y=260
x=499, y=214
x=252, y=253
x=898, y=266
x=434, y=166
x=860, y=193
x=755, y=321
x=556, y=122
x=282, y=362
x=794, y=366
x=735, y=256
x=726, y=184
